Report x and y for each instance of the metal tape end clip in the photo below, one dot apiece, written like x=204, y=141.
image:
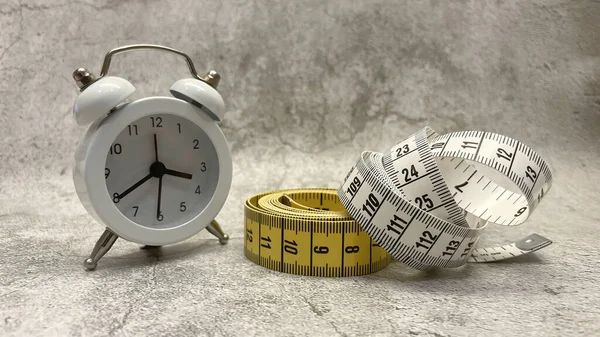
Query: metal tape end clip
x=533, y=242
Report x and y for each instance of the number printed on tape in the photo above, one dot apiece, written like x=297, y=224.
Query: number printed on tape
x=308, y=232
x=427, y=206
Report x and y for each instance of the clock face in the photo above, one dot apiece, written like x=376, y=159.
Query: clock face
x=161, y=171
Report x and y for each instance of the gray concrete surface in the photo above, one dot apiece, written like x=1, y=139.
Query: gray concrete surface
x=308, y=86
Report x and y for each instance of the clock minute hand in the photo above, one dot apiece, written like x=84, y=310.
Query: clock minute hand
x=155, y=148
x=134, y=186
x=159, y=197
x=178, y=174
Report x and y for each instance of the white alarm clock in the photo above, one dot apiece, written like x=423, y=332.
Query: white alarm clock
x=154, y=171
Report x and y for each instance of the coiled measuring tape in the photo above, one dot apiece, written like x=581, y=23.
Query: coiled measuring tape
x=308, y=232
x=427, y=206
x=420, y=201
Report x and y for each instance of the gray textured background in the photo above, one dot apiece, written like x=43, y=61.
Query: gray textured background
x=308, y=86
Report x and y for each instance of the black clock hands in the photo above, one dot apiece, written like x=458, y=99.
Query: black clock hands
x=178, y=174
x=133, y=187
x=157, y=170
x=159, y=216
x=155, y=148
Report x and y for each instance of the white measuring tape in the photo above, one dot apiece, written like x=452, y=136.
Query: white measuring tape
x=427, y=206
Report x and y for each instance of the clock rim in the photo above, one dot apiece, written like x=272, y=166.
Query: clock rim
x=92, y=187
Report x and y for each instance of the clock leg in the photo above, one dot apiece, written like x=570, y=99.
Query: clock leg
x=103, y=245
x=216, y=230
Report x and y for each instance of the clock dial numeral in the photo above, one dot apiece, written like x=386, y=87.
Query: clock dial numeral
x=133, y=130
x=203, y=167
x=160, y=217
x=179, y=127
x=106, y=172
x=136, y=210
x=156, y=122
x=182, y=207
x=196, y=144
x=116, y=149
x=197, y=190
x=116, y=198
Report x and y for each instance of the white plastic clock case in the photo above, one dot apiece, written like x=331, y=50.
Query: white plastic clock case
x=91, y=156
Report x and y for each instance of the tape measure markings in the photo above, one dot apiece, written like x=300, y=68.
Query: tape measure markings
x=501, y=153
x=527, y=164
x=433, y=237
x=446, y=206
x=428, y=228
x=305, y=240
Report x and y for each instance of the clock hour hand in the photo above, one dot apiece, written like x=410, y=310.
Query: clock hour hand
x=134, y=186
x=178, y=174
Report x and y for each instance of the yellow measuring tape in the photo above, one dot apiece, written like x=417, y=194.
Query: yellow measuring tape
x=308, y=232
